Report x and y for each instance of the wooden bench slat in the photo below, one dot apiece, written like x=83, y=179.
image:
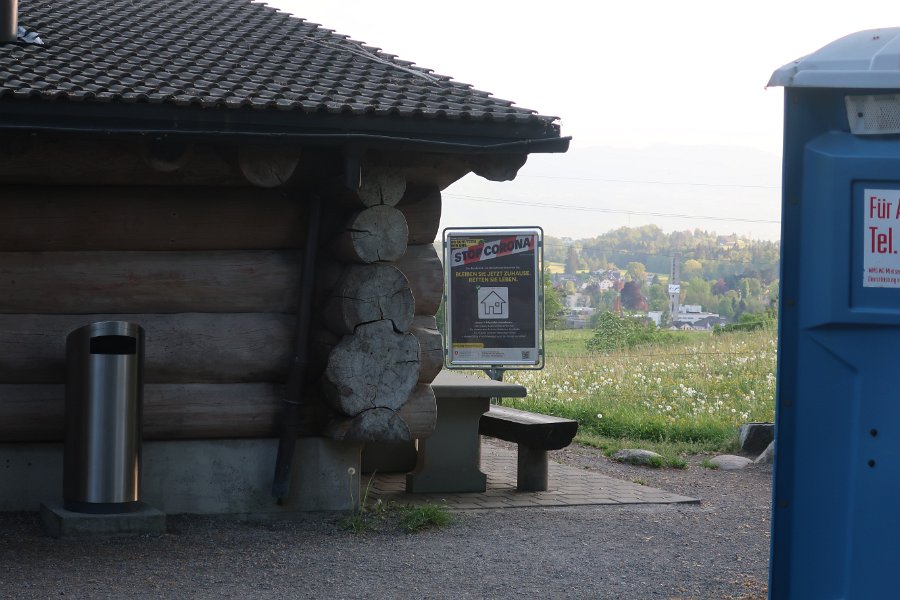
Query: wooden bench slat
x=524, y=417
x=540, y=432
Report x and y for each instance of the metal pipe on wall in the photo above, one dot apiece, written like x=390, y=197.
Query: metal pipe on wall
x=9, y=20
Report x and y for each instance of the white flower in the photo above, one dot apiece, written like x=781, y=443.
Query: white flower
x=351, y=471
x=599, y=415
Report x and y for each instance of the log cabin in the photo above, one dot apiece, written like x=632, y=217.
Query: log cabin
x=261, y=195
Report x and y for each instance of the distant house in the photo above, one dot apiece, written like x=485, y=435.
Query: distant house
x=580, y=318
x=708, y=323
x=578, y=300
x=691, y=316
x=728, y=242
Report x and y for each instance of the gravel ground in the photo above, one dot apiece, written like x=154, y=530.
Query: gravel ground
x=718, y=549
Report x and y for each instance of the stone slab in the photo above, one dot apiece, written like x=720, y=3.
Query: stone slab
x=456, y=385
x=58, y=522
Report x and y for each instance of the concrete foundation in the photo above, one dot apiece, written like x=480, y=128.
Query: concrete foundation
x=200, y=476
x=59, y=522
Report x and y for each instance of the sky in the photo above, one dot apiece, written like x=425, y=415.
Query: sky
x=666, y=101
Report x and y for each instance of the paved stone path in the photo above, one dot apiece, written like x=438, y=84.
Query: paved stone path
x=569, y=486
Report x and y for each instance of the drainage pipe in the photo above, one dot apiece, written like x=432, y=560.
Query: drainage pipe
x=293, y=397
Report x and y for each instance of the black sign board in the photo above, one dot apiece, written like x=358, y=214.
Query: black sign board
x=494, y=298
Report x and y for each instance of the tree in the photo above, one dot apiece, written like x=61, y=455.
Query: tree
x=719, y=287
x=604, y=301
x=632, y=298
x=691, y=268
x=750, y=287
x=554, y=310
x=571, y=261
x=698, y=292
x=658, y=297
x=725, y=308
x=637, y=272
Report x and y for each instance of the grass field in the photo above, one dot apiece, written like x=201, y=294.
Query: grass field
x=554, y=267
x=687, y=397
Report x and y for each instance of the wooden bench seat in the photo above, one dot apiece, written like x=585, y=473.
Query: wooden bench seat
x=535, y=434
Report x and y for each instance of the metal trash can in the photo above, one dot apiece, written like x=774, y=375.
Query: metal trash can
x=104, y=397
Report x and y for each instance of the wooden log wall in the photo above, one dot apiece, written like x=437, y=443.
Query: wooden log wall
x=212, y=274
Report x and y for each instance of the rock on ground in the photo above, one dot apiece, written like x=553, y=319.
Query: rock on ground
x=638, y=457
x=754, y=437
x=730, y=462
x=768, y=455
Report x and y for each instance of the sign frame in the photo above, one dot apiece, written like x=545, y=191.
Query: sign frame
x=516, y=315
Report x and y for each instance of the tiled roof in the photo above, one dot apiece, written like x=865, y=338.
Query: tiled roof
x=229, y=54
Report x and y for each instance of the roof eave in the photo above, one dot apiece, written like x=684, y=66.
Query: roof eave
x=538, y=135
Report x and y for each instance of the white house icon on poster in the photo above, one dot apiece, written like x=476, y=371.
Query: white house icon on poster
x=493, y=303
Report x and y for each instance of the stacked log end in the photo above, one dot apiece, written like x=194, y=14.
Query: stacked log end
x=383, y=292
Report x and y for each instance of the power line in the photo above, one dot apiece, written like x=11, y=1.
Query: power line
x=686, y=254
x=608, y=210
x=654, y=182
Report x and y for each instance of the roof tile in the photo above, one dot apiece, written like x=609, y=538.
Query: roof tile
x=225, y=54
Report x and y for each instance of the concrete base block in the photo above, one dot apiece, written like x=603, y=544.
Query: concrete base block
x=325, y=476
x=235, y=476
x=57, y=522
x=30, y=474
x=201, y=476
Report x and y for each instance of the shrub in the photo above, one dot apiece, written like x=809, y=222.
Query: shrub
x=748, y=322
x=615, y=331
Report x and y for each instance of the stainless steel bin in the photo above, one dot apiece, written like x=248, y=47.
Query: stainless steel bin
x=104, y=397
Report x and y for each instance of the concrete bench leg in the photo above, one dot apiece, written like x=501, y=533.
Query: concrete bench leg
x=532, y=470
x=449, y=460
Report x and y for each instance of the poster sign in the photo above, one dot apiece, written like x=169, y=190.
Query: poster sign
x=881, y=238
x=494, y=298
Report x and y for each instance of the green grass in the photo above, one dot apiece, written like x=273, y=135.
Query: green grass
x=380, y=516
x=566, y=342
x=683, y=398
x=418, y=518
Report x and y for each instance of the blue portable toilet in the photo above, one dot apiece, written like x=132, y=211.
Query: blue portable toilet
x=836, y=498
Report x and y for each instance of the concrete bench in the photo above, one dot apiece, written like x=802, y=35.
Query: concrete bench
x=449, y=461
x=535, y=434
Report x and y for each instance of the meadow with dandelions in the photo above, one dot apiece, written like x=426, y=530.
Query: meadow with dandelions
x=694, y=391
